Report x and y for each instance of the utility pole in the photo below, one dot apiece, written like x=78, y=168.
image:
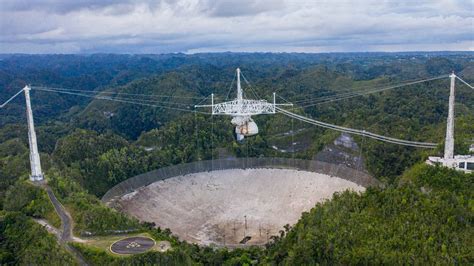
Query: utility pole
x=449, y=143
x=35, y=164
x=235, y=229
x=245, y=228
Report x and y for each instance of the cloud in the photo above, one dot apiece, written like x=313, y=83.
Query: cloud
x=58, y=6
x=236, y=8
x=122, y=26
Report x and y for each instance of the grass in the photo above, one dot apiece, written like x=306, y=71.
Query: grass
x=104, y=242
x=53, y=218
x=50, y=216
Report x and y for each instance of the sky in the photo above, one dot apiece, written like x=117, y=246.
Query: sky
x=194, y=26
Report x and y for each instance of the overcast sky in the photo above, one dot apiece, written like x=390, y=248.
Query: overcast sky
x=190, y=26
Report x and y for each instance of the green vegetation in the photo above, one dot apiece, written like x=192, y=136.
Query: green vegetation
x=99, y=161
x=426, y=219
x=181, y=254
x=32, y=201
x=24, y=242
x=422, y=216
x=90, y=216
x=100, y=257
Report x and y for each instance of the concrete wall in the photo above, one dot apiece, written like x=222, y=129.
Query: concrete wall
x=341, y=171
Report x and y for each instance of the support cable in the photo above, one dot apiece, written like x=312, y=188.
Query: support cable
x=230, y=87
x=387, y=116
x=293, y=140
x=469, y=85
x=360, y=89
x=356, y=94
x=118, y=98
x=250, y=86
x=358, y=132
x=212, y=143
x=196, y=135
x=108, y=98
x=116, y=93
x=9, y=100
x=201, y=101
x=283, y=98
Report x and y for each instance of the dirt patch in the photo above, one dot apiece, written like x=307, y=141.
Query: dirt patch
x=344, y=151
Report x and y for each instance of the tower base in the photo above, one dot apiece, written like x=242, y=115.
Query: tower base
x=463, y=163
x=37, y=177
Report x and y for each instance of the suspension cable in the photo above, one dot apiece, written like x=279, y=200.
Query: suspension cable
x=358, y=132
x=230, y=87
x=348, y=95
x=341, y=92
x=117, y=93
x=250, y=86
x=356, y=94
x=469, y=85
x=108, y=98
x=9, y=100
x=119, y=98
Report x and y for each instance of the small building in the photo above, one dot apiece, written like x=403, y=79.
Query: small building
x=463, y=163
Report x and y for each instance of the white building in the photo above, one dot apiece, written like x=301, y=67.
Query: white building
x=460, y=162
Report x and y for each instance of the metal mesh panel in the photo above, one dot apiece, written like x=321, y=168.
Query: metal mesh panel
x=131, y=184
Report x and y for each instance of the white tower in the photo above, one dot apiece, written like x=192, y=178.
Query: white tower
x=460, y=162
x=449, y=143
x=244, y=124
x=239, y=88
x=36, y=173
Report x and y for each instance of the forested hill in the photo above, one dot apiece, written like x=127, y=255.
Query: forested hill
x=426, y=219
x=107, y=71
x=87, y=145
x=415, y=112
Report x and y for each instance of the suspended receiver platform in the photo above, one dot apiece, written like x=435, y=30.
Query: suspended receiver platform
x=242, y=110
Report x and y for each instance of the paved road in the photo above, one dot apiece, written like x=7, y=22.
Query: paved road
x=66, y=226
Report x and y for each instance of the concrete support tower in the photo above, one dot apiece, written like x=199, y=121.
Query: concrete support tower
x=449, y=143
x=36, y=173
x=239, y=88
x=459, y=162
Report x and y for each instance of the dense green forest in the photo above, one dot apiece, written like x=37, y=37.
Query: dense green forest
x=426, y=218
x=423, y=215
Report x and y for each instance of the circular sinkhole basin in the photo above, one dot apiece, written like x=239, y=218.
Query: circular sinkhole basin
x=232, y=207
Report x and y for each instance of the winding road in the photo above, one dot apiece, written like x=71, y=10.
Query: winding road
x=66, y=226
